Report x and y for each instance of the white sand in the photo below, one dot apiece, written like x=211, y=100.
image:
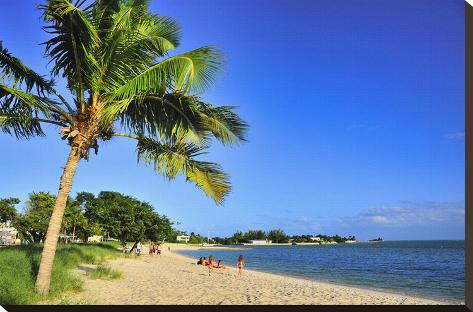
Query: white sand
x=174, y=279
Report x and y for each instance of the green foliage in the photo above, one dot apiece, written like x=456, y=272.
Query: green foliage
x=254, y=235
x=127, y=218
x=7, y=209
x=20, y=264
x=303, y=239
x=196, y=239
x=33, y=223
x=110, y=213
x=75, y=221
x=278, y=236
x=239, y=238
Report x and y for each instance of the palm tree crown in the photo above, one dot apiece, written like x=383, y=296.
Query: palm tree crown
x=114, y=55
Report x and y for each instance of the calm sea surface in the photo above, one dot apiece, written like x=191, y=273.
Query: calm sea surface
x=430, y=269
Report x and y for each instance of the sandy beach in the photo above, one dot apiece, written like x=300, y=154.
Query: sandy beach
x=175, y=279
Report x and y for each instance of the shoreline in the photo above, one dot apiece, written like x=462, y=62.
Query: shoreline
x=173, y=278
x=361, y=288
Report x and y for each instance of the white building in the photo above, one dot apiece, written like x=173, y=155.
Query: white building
x=8, y=235
x=315, y=239
x=260, y=242
x=183, y=238
x=95, y=238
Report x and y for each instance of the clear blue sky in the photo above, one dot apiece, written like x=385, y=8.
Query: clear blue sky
x=356, y=111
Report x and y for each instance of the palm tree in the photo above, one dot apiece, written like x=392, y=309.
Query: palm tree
x=114, y=55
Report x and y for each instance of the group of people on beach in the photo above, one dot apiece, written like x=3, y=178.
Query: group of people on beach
x=210, y=263
x=154, y=249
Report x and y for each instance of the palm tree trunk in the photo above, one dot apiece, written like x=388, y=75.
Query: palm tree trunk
x=50, y=243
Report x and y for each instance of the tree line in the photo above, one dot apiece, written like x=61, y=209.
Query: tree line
x=110, y=214
x=275, y=236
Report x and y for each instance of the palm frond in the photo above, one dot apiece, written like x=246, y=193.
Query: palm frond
x=21, y=122
x=177, y=156
x=194, y=70
x=210, y=178
x=128, y=13
x=11, y=97
x=223, y=123
x=21, y=113
x=131, y=38
x=102, y=13
x=159, y=34
x=158, y=117
x=12, y=68
x=168, y=158
x=72, y=48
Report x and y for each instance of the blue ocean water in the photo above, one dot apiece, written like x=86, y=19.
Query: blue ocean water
x=429, y=269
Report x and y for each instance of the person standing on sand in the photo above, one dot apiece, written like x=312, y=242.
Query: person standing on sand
x=138, y=248
x=151, y=249
x=211, y=264
x=240, y=264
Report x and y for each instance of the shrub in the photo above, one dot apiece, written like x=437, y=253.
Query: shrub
x=103, y=272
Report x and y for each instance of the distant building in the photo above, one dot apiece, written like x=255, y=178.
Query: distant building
x=95, y=238
x=315, y=239
x=8, y=235
x=260, y=242
x=183, y=238
x=64, y=238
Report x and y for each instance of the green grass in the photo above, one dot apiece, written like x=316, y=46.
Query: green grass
x=19, y=267
x=103, y=272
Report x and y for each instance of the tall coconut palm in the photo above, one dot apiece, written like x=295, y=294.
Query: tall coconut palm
x=114, y=55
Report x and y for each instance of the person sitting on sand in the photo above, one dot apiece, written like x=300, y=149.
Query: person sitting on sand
x=200, y=261
x=220, y=265
x=205, y=262
x=240, y=264
x=211, y=264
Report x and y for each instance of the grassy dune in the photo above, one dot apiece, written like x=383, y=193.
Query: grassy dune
x=19, y=266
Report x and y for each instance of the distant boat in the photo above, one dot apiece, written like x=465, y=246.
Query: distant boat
x=379, y=239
